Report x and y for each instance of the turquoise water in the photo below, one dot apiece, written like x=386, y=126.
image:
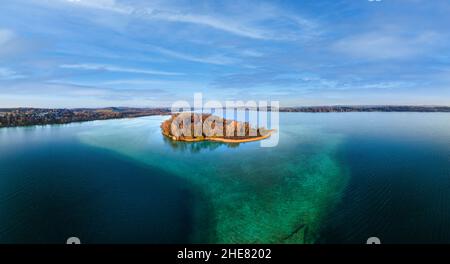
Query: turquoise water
x=333, y=178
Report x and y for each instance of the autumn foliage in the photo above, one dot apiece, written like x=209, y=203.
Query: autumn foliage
x=196, y=127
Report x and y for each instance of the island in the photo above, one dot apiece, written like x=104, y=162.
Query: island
x=193, y=127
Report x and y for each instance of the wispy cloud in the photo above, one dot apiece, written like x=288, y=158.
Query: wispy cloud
x=10, y=43
x=57, y=88
x=5, y=37
x=169, y=84
x=215, y=59
x=111, y=68
x=213, y=22
x=171, y=16
x=251, y=53
x=8, y=74
x=250, y=27
x=107, y=5
x=109, y=50
x=386, y=45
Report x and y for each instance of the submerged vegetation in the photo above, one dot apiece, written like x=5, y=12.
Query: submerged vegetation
x=246, y=194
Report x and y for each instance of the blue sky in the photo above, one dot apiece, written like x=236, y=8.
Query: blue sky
x=81, y=53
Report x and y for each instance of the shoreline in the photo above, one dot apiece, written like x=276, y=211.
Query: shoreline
x=80, y=121
x=168, y=114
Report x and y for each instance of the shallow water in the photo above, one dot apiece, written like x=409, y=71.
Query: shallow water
x=333, y=178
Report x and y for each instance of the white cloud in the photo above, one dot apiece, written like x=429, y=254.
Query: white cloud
x=216, y=59
x=213, y=22
x=8, y=74
x=102, y=67
x=12, y=44
x=6, y=36
x=244, y=24
x=63, y=94
x=251, y=53
x=382, y=45
x=171, y=16
x=151, y=83
x=107, y=5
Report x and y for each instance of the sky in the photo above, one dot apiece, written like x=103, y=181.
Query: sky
x=100, y=53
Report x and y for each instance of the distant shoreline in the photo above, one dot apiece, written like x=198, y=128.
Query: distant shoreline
x=19, y=117
x=329, y=108
x=366, y=108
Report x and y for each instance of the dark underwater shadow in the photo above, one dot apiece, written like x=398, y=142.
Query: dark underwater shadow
x=66, y=190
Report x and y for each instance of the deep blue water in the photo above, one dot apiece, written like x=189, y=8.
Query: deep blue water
x=52, y=187
x=341, y=177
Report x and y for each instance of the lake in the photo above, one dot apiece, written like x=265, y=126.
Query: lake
x=333, y=178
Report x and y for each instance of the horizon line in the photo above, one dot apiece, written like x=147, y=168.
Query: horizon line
x=166, y=107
